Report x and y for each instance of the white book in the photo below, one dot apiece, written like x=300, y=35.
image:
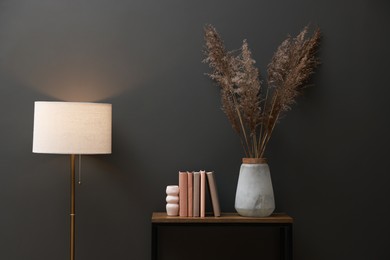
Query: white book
x=196, y=194
x=202, y=194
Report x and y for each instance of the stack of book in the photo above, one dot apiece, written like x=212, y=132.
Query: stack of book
x=192, y=193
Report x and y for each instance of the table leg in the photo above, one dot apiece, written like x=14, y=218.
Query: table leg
x=286, y=242
x=154, y=242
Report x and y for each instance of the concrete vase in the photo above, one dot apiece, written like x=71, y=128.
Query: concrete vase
x=254, y=195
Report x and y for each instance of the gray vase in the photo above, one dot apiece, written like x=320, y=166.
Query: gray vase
x=254, y=195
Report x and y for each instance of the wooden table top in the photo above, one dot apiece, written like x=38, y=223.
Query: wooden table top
x=161, y=217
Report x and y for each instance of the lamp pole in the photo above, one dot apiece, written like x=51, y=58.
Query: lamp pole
x=72, y=207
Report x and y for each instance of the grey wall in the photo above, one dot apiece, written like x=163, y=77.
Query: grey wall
x=328, y=157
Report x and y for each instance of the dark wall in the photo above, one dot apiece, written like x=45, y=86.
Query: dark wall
x=328, y=157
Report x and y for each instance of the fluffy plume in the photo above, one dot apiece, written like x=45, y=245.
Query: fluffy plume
x=223, y=66
x=253, y=113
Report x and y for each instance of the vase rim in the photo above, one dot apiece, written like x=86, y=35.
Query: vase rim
x=254, y=160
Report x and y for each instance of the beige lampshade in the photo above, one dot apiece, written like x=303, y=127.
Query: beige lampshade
x=72, y=128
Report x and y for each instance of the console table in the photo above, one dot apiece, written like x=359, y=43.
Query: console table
x=277, y=220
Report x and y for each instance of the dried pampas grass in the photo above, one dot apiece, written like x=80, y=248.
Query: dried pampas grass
x=252, y=109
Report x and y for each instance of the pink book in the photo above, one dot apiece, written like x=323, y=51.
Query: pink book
x=202, y=194
x=190, y=183
x=183, y=190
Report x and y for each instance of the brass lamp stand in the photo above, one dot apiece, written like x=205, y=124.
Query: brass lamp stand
x=72, y=207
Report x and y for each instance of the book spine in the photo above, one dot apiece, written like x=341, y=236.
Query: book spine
x=202, y=194
x=190, y=193
x=183, y=190
x=196, y=194
x=213, y=194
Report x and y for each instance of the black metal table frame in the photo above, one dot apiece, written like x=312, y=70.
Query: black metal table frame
x=285, y=234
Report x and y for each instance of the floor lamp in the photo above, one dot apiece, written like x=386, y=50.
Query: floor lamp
x=72, y=128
